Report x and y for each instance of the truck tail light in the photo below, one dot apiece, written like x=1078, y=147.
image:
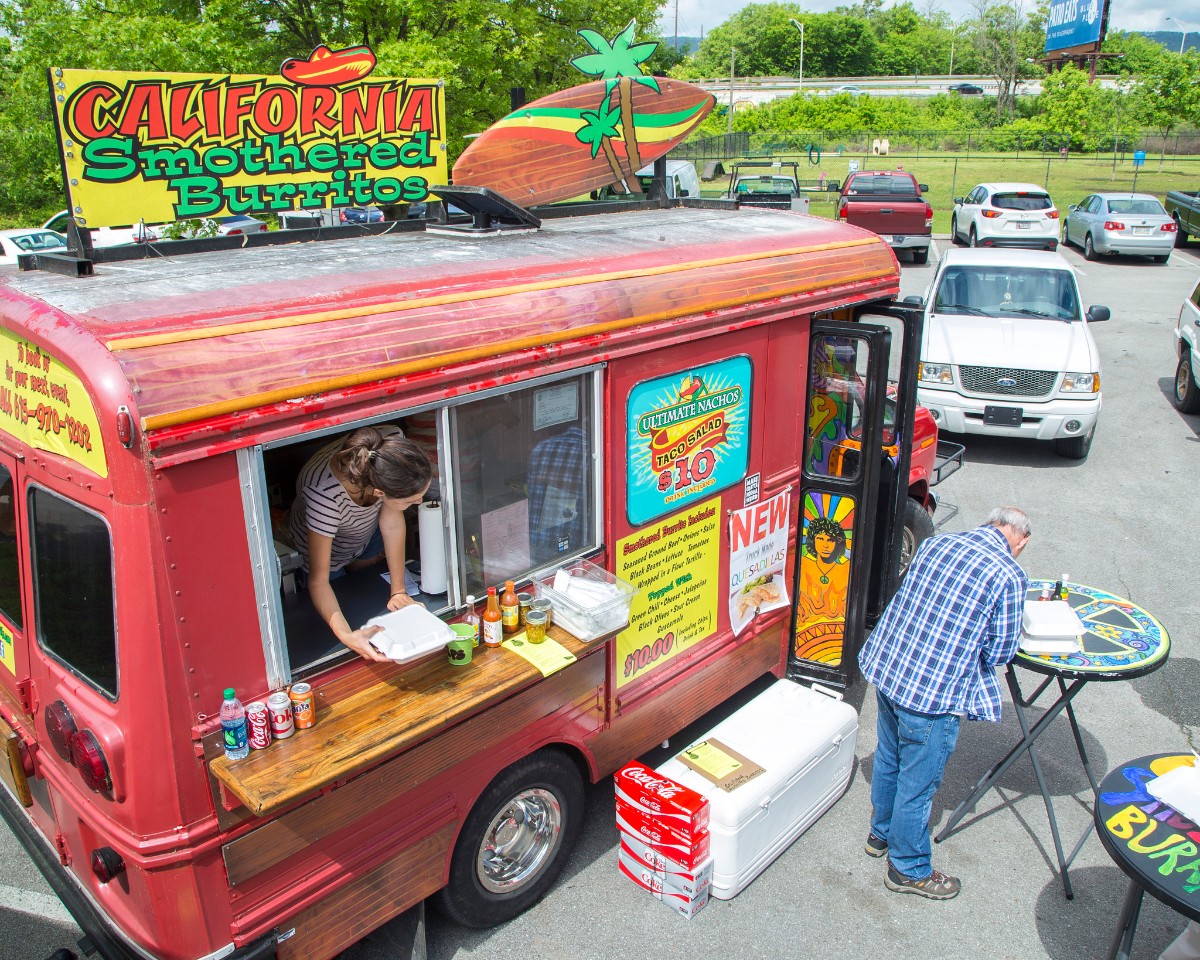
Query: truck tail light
x=106, y=864
x=842, y=212
x=1168, y=227
x=928, y=215
x=60, y=727
x=1113, y=225
x=1051, y=214
x=90, y=762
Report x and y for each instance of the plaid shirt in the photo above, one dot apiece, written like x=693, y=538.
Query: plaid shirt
x=955, y=618
x=558, y=479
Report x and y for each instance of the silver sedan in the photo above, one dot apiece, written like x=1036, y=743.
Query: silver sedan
x=1120, y=223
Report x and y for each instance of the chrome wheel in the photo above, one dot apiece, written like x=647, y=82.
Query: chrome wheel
x=521, y=838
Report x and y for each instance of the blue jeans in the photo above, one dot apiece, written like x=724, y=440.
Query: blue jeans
x=910, y=758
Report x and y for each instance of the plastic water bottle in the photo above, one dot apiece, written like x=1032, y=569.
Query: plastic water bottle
x=233, y=725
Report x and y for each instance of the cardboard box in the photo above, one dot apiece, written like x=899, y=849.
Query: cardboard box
x=651, y=792
x=687, y=851
x=645, y=878
x=686, y=880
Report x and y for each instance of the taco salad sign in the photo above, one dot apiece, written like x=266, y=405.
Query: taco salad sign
x=322, y=133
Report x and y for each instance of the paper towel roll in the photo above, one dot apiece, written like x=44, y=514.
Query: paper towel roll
x=433, y=547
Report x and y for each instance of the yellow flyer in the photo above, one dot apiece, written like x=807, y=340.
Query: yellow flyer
x=549, y=656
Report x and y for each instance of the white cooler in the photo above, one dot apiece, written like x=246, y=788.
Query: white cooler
x=804, y=741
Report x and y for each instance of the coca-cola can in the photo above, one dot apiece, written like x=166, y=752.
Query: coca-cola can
x=279, y=706
x=258, y=725
x=304, y=710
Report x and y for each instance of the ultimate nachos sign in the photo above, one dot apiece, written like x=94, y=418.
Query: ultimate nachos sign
x=322, y=133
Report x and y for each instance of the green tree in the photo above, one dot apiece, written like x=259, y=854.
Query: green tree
x=1068, y=104
x=1169, y=96
x=1006, y=37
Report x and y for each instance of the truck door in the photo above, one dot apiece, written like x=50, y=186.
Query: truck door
x=14, y=662
x=839, y=497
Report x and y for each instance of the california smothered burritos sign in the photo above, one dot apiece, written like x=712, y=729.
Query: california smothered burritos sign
x=323, y=133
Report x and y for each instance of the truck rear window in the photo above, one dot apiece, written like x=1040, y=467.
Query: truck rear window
x=73, y=588
x=882, y=186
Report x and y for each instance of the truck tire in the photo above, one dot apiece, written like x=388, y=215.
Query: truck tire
x=1089, y=251
x=921, y=255
x=1075, y=448
x=918, y=527
x=1186, y=395
x=954, y=231
x=515, y=841
x=1181, y=237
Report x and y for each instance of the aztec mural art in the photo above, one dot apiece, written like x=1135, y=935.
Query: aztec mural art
x=577, y=140
x=824, y=577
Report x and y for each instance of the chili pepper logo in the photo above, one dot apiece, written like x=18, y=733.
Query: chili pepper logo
x=329, y=68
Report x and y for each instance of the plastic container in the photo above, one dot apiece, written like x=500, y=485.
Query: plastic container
x=588, y=601
x=409, y=633
x=233, y=726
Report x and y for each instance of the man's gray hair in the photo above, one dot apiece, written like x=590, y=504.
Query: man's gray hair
x=1010, y=517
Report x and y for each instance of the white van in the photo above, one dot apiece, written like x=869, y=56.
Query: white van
x=682, y=181
x=1006, y=350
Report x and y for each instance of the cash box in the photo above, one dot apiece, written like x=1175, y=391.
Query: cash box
x=804, y=741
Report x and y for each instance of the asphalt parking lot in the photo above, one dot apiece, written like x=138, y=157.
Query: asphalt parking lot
x=1124, y=520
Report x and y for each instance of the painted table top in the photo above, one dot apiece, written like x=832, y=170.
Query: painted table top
x=1152, y=844
x=1122, y=641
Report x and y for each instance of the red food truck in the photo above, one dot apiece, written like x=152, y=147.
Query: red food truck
x=681, y=396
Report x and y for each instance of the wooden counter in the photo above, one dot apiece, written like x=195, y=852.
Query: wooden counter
x=359, y=724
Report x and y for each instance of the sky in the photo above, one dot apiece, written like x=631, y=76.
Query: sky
x=696, y=16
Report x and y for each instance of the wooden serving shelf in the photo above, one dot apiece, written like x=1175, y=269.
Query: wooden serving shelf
x=359, y=724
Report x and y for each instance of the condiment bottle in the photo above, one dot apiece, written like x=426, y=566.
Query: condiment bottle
x=1046, y=593
x=510, y=609
x=493, y=632
x=472, y=618
x=1064, y=591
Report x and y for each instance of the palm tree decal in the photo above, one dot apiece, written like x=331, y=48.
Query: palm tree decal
x=619, y=65
x=598, y=127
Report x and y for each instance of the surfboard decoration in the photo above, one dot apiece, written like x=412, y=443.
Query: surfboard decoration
x=583, y=138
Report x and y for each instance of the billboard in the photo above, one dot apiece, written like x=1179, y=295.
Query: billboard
x=322, y=133
x=1074, y=23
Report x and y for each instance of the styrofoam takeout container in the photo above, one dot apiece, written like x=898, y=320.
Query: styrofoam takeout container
x=409, y=633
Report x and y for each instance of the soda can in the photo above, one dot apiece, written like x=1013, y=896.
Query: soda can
x=279, y=706
x=258, y=725
x=304, y=710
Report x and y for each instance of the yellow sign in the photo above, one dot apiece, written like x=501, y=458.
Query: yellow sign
x=675, y=566
x=549, y=656
x=8, y=655
x=45, y=405
x=161, y=147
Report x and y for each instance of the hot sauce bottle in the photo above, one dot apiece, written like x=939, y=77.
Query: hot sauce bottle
x=510, y=609
x=493, y=633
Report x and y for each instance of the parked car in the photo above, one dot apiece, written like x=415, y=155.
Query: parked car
x=966, y=89
x=238, y=225
x=756, y=183
x=1120, y=223
x=1007, y=350
x=682, y=181
x=26, y=240
x=892, y=204
x=106, y=236
x=360, y=215
x=1184, y=208
x=1186, y=395
x=1005, y=215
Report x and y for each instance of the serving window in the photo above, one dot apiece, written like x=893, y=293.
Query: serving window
x=515, y=490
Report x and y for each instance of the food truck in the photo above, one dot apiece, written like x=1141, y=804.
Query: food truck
x=713, y=377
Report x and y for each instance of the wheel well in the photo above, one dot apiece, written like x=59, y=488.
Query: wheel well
x=920, y=492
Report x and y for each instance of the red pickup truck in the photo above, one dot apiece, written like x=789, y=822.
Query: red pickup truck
x=890, y=203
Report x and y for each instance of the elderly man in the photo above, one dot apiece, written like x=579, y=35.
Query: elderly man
x=932, y=658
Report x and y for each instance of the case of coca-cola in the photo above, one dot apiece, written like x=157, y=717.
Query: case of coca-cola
x=662, y=837
x=804, y=741
x=687, y=880
x=686, y=905
x=657, y=796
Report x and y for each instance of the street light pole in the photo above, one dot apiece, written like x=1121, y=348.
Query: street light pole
x=799, y=26
x=1184, y=27
x=729, y=112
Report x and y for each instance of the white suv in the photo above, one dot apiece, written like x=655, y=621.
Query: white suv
x=1006, y=350
x=1187, y=344
x=1005, y=215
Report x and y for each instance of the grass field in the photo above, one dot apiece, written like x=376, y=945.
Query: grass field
x=1068, y=181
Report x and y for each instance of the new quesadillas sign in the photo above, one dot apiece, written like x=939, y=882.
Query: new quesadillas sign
x=323, y=133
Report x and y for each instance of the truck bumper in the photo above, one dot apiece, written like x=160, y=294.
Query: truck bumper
x=1039, y=421
x=100, y=935
x=899, y=241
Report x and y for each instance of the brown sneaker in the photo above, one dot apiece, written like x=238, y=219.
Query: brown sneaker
x=936, y=886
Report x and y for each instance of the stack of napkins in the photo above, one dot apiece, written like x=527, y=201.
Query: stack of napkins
x=587, y=593
x=1050, y=628
x=1179, y=789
